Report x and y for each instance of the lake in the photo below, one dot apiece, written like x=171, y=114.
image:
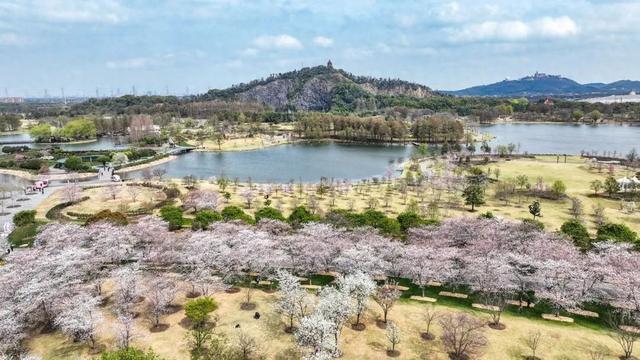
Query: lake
x=309, y=162
x=103, y=143
x=306, y=162
x=565, y=138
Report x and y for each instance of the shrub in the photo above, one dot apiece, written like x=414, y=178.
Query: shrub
x=558, y=188
x=75, y=163
x=205, y=218
x=578, y=233
x=24, y=217
x=235, y=213
x=487, y=215
x=31, y=164
x=171, y=192
x=197, y=310
x=129, y=354
x=380, y=221
x=410, y=219
x=23, y=234
x=173, y=216
x=301, y=215
x=14, y=149
x=113, y=217
x=618, y=233
x=269, y=213
x=535, y=224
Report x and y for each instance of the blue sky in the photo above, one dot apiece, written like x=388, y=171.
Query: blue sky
x=200, y=44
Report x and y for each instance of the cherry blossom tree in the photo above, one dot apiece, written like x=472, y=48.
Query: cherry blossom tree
x=393, y=335
x=316, y=333
x=386, y=296
x=201, y=200
x=127, y=290
x=160, y=293
x=293, y=301
x=80, y=318
x=124, y=330
x=336, y=307
x=359, y=287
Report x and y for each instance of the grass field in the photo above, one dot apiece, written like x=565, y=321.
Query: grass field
x=560, y=341
x=388, y=198
x=245, y=143
x=577, y=177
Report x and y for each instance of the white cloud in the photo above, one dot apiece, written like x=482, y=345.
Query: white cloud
x=282, y=41
x=357, y=53
x=250, y=52
x=133, y=63
x=71, y=11
x=406, y=20
x=546, y=27
x=10, y=39
x=323, y=41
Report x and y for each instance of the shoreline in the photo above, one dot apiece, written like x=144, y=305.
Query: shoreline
x=53, y=177
x=146, y=165
x=547, y=122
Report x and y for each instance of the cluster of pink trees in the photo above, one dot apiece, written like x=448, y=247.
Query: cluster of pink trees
x=41, y=287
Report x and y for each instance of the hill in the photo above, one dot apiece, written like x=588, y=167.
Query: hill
x=539, y=85
x=315, y=88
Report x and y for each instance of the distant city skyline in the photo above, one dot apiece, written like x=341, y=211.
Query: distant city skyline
x=180, y=47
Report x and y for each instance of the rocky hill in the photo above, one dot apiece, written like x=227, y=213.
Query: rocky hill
x=315, y=88
x=540, y=85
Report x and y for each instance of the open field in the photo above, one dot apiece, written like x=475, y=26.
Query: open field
x=245, y=143
x=577, y=177
x=393, y=200
x=560, y=341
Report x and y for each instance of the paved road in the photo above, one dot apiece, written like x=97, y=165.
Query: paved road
x=33, y=200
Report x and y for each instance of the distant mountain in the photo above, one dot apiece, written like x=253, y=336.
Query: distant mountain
x=540, y=84
x=314, y=88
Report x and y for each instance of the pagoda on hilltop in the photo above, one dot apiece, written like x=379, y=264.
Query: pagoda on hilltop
x=329, y=64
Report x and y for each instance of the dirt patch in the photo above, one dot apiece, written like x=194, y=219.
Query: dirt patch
x=393, y=353
x=381, y=324
x=232, y=290
x=358, y=327
x=99, y=348
x=247, y=306
x=427, y=336
x=159, y=328
x=498, y=326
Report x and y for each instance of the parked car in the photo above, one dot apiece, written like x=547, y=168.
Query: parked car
x=115, y=178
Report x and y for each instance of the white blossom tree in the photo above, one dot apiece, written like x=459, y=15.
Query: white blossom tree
x=80, y=318
x=160, y=293
x=293, y=301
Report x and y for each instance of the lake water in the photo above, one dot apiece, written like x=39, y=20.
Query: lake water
x=565, y=139
x=103, y=143
x=306, y=162
x=310, y=162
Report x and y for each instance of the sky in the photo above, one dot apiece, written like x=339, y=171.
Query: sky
x=175, y=47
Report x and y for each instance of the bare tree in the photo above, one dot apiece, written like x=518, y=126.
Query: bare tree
x=111, y=192
x=577, y=208
x=623, y=332
x=532, y=341
x=159, y=173
x=133, y=192
x=597, y=352
x=462, y=335
x=246, y=345
x=429, y=315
